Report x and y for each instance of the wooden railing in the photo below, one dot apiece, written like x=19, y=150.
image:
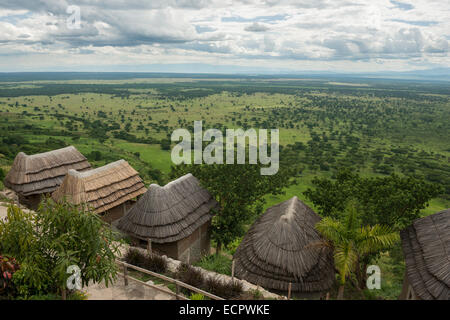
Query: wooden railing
x=177, y=283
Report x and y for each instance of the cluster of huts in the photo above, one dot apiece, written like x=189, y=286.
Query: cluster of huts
x=277, y=253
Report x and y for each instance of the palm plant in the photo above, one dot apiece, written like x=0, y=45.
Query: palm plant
x=350, y=241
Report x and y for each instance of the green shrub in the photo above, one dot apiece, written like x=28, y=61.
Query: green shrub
x=2, y=174
x=49, y=296
x=232, y=246
x=187, y=274
x=217, y=263
x=152, y=262
x=197, y=296
x=225, y=289
x=135, y=257
x=56, y=236
x=256, y=294
x=156, y=263
x=77, y=295
x=8, y=266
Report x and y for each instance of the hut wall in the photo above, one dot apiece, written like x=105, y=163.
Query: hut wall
x=31, y=202
x=189, y=249
x=169, y=249
x=195, y=246
x=114, y=214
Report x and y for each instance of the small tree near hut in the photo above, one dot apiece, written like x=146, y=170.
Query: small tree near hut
x=352, y=241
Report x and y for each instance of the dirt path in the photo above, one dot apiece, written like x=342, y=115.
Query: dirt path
x=118, y=291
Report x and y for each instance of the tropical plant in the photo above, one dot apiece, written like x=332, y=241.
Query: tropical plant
x=56, y=236
x=8, y=266
x=351, y=241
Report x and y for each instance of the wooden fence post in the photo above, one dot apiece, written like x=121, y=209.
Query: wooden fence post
x=149, y=246
x=125, y=274
x=177, y=290
x=289, y=290
x=232, y=270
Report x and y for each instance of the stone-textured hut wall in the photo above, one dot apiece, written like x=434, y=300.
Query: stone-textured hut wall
x=195, y=246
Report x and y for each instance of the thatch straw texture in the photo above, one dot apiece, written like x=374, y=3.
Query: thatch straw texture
x=426, y=246
x=102, y=188
x=281, y=248
x=169, y=213
x=43, y=172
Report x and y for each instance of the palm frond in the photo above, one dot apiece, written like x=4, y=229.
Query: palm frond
x=330, y=229
x=345, y=259
x=376, y=238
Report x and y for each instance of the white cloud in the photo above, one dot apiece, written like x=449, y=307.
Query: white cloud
x=317, y=34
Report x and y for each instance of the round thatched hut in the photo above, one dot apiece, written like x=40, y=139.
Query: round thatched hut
x=109, y=190
x=174, y=218
x=32, y=176
x=426, y=247
x=281, y=248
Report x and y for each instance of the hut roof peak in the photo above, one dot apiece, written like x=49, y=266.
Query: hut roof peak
x=104, y=169
x=43, y=172
x=290, y=212
x=102, y=188
x=170, y=213
x=276, y=250
x=174, y=182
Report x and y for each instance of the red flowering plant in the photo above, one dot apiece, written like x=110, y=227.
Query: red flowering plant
x=7, y=268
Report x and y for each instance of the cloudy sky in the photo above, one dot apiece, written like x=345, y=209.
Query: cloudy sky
x=221, y=35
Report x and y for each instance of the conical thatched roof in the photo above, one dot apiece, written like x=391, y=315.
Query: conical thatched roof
x=43, y=172
x=169, y=213
x=279, y=249
x=102, y=188
x=426, y=246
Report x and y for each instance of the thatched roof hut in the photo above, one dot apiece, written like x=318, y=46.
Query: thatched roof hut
x=103, y=188
x=44, y=172
x=426, y=246
x=281, y=248
x=170, y=213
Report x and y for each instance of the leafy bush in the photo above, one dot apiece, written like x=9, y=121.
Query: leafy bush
x=225, y=289
x=2, y=174
x=56, y=236
x=217, y=263
x=197, y=296
x=8, y=266
x=233, y=245
x=156, y=263
x=75, y=295
x=151, y=262
x=135, y=257
x=187, y=274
